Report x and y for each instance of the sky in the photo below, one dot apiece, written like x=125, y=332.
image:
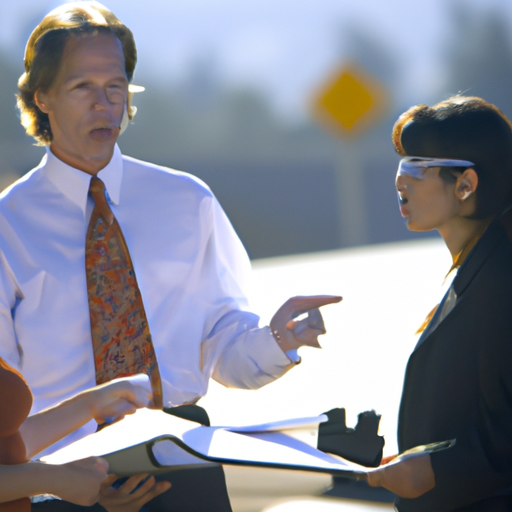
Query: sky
x=285, y=48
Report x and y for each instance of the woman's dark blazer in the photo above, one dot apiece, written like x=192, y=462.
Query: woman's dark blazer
x=458, y=384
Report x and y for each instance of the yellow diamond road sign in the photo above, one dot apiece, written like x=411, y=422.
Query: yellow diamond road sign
x=351, y=100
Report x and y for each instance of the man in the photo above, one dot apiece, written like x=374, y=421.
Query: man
x=182, y=266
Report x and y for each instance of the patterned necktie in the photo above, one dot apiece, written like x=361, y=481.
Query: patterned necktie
x=119, y=327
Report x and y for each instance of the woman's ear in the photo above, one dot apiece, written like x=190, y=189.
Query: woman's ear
x=466, y=184
x=40, y=101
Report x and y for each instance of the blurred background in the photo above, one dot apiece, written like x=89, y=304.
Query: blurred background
x=285, y=108
x=237, y=93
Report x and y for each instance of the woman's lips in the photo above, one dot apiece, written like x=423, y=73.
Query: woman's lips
x=402, y=201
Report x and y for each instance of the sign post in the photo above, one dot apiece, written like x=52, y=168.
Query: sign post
x=348, y=104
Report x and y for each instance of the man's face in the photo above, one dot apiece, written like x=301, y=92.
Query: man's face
x=86, y=101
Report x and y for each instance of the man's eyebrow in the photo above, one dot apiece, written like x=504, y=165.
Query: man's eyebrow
x=123, y=78
x=84, y=77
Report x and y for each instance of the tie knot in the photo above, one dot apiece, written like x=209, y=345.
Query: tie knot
x=97, y=191
x=96, y=186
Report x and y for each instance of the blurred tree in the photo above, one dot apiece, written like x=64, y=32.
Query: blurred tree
x=376, y=160
x=275, y=180
x=368, y=49
x=478, y=56
x=17, y=154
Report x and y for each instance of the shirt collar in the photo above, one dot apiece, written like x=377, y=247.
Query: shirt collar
x=74, y=184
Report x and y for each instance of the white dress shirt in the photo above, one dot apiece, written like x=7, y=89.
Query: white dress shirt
x=190, y=265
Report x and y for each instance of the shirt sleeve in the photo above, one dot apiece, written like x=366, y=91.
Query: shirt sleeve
x=236, y=352
x=252, y=360
x=10, y=293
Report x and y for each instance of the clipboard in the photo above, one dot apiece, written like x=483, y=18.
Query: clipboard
x=152, y=441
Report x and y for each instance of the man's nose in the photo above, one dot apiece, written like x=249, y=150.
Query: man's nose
x=101, y=100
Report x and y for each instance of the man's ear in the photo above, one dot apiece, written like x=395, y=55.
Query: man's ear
x=466, y=184
x=40, y=99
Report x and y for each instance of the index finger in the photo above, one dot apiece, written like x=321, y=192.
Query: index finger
x=313, y=302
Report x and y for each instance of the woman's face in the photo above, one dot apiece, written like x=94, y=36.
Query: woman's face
x=426, y=202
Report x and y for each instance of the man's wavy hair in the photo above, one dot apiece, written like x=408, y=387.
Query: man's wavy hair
x=463, y=128
x=43, y=55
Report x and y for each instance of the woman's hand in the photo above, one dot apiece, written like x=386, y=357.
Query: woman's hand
x=106, y=403
x=408, y=478
x=78, y=482
x=113, y=400
x=129, y=497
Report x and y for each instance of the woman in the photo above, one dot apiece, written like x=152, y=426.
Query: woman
x=83, y=482
x=456, y=177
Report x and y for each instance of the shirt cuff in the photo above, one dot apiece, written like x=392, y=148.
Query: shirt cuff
x=274, y=353
x=293, y=356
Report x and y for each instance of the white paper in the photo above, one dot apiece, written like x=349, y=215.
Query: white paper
x=213, y=443
x=289, y=424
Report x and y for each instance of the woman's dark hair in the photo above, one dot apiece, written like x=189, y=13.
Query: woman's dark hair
x=463, y=128
x=44, y=50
